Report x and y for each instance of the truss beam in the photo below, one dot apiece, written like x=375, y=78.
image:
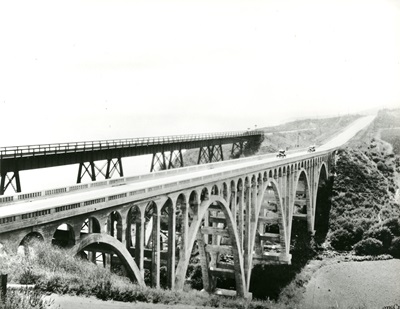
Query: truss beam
x=166, y=160
x=8, y=180
x=209, y=154
x=107, y=170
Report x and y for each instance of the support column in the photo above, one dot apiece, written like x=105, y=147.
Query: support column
x=185, y=230
x=172, y=246
x=91, y=254
x=90, y=168
x=240, y=219
x=6, y=181
x=155, y=264
x=139, y=242
x=209, y=154
x=247, y=231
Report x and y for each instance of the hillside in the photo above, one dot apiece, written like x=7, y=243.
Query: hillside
x=295, y=134
x=365, y=208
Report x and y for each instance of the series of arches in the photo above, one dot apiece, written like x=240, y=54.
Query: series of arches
x=232, y=224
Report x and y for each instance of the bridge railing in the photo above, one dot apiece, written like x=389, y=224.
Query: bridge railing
x=120, y=181
x=60, y=148
x=6, y=220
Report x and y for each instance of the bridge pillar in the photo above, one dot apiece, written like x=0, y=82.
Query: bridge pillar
x=209, y=154
x=7, y=181
x=161, y=161
x=240, y=215
x=204, y=261
x=237, y=149
x=247, y=232
x=172, y=245
x=139, y=242
x=155, y=263
x=92, y=170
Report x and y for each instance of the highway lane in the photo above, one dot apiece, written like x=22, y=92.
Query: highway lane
x=236, y=165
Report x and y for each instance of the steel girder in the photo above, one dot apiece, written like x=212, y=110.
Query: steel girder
x=93, y=170
x=7, y=181
x=209, y=154
x=166, y=160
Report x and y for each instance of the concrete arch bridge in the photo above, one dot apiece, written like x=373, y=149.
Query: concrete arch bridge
x=233, y=215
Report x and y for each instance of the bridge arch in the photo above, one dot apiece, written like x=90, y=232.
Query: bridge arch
x=272, y=222
x=29, y=237
x=90, y=225
x=322, y=203
x=116, y=246
x=114, y=224
x=302, y=191
x=194, y=234
x=64, y=236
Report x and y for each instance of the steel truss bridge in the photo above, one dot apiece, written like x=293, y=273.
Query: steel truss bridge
x=166, y=150
x=232, y=214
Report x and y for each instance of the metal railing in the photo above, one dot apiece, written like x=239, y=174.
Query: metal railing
x=60, y=148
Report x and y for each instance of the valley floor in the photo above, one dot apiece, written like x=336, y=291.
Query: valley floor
x=368, y=284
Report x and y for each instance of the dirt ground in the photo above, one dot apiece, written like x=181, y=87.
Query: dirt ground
x=75, y=302
x=368, y=284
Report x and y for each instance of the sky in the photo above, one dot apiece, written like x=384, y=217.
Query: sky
x=103, y=69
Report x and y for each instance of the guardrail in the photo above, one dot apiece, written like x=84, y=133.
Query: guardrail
x=60, y=148
x=103, y=200
x=120, y=181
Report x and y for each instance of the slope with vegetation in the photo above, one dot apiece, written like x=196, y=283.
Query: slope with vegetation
x=365, y=212
x=291, y=135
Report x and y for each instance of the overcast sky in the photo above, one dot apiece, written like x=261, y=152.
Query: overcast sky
x=84, y=70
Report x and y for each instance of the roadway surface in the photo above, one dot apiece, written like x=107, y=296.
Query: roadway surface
x=26, y=206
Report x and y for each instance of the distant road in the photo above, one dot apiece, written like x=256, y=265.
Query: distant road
x=348, y=133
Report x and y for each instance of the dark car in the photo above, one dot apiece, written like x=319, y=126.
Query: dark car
x=311, y=148
x=281, y=153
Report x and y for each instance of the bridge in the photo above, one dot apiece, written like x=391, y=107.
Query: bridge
x=166, y=150
x=233, y=215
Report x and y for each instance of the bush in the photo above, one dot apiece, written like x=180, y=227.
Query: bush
x=369, y=246
x=394, y=250
x=342, y=239
x=383, y=234
x=393, y=224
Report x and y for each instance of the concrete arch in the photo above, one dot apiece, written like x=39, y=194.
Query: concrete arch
x=276, y=189
x=283, y=229
x=225, y=191
x=95, y=222
x=204, y=194
x=321, y=168
x=64, y=238
x=309, y=198
x=237, y=250
x=31, y=236
x=117, y=247
x=322, y=172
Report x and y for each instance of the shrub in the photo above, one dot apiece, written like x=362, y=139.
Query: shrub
x=393, y=224
x=394, y=250
x=342, y=239
x=383, y=234
x=369, y=246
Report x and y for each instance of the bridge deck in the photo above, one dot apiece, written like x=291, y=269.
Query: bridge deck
x=236, y=166
x=187, y=178
x=47, y=155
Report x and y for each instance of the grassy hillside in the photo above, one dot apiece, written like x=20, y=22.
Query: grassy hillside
x=365, y=210
x=299, y=133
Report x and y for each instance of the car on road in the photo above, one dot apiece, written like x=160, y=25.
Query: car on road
x=281, y=153
x=311, y=148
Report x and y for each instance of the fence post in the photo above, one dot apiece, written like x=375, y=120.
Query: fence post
x=3, y=283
